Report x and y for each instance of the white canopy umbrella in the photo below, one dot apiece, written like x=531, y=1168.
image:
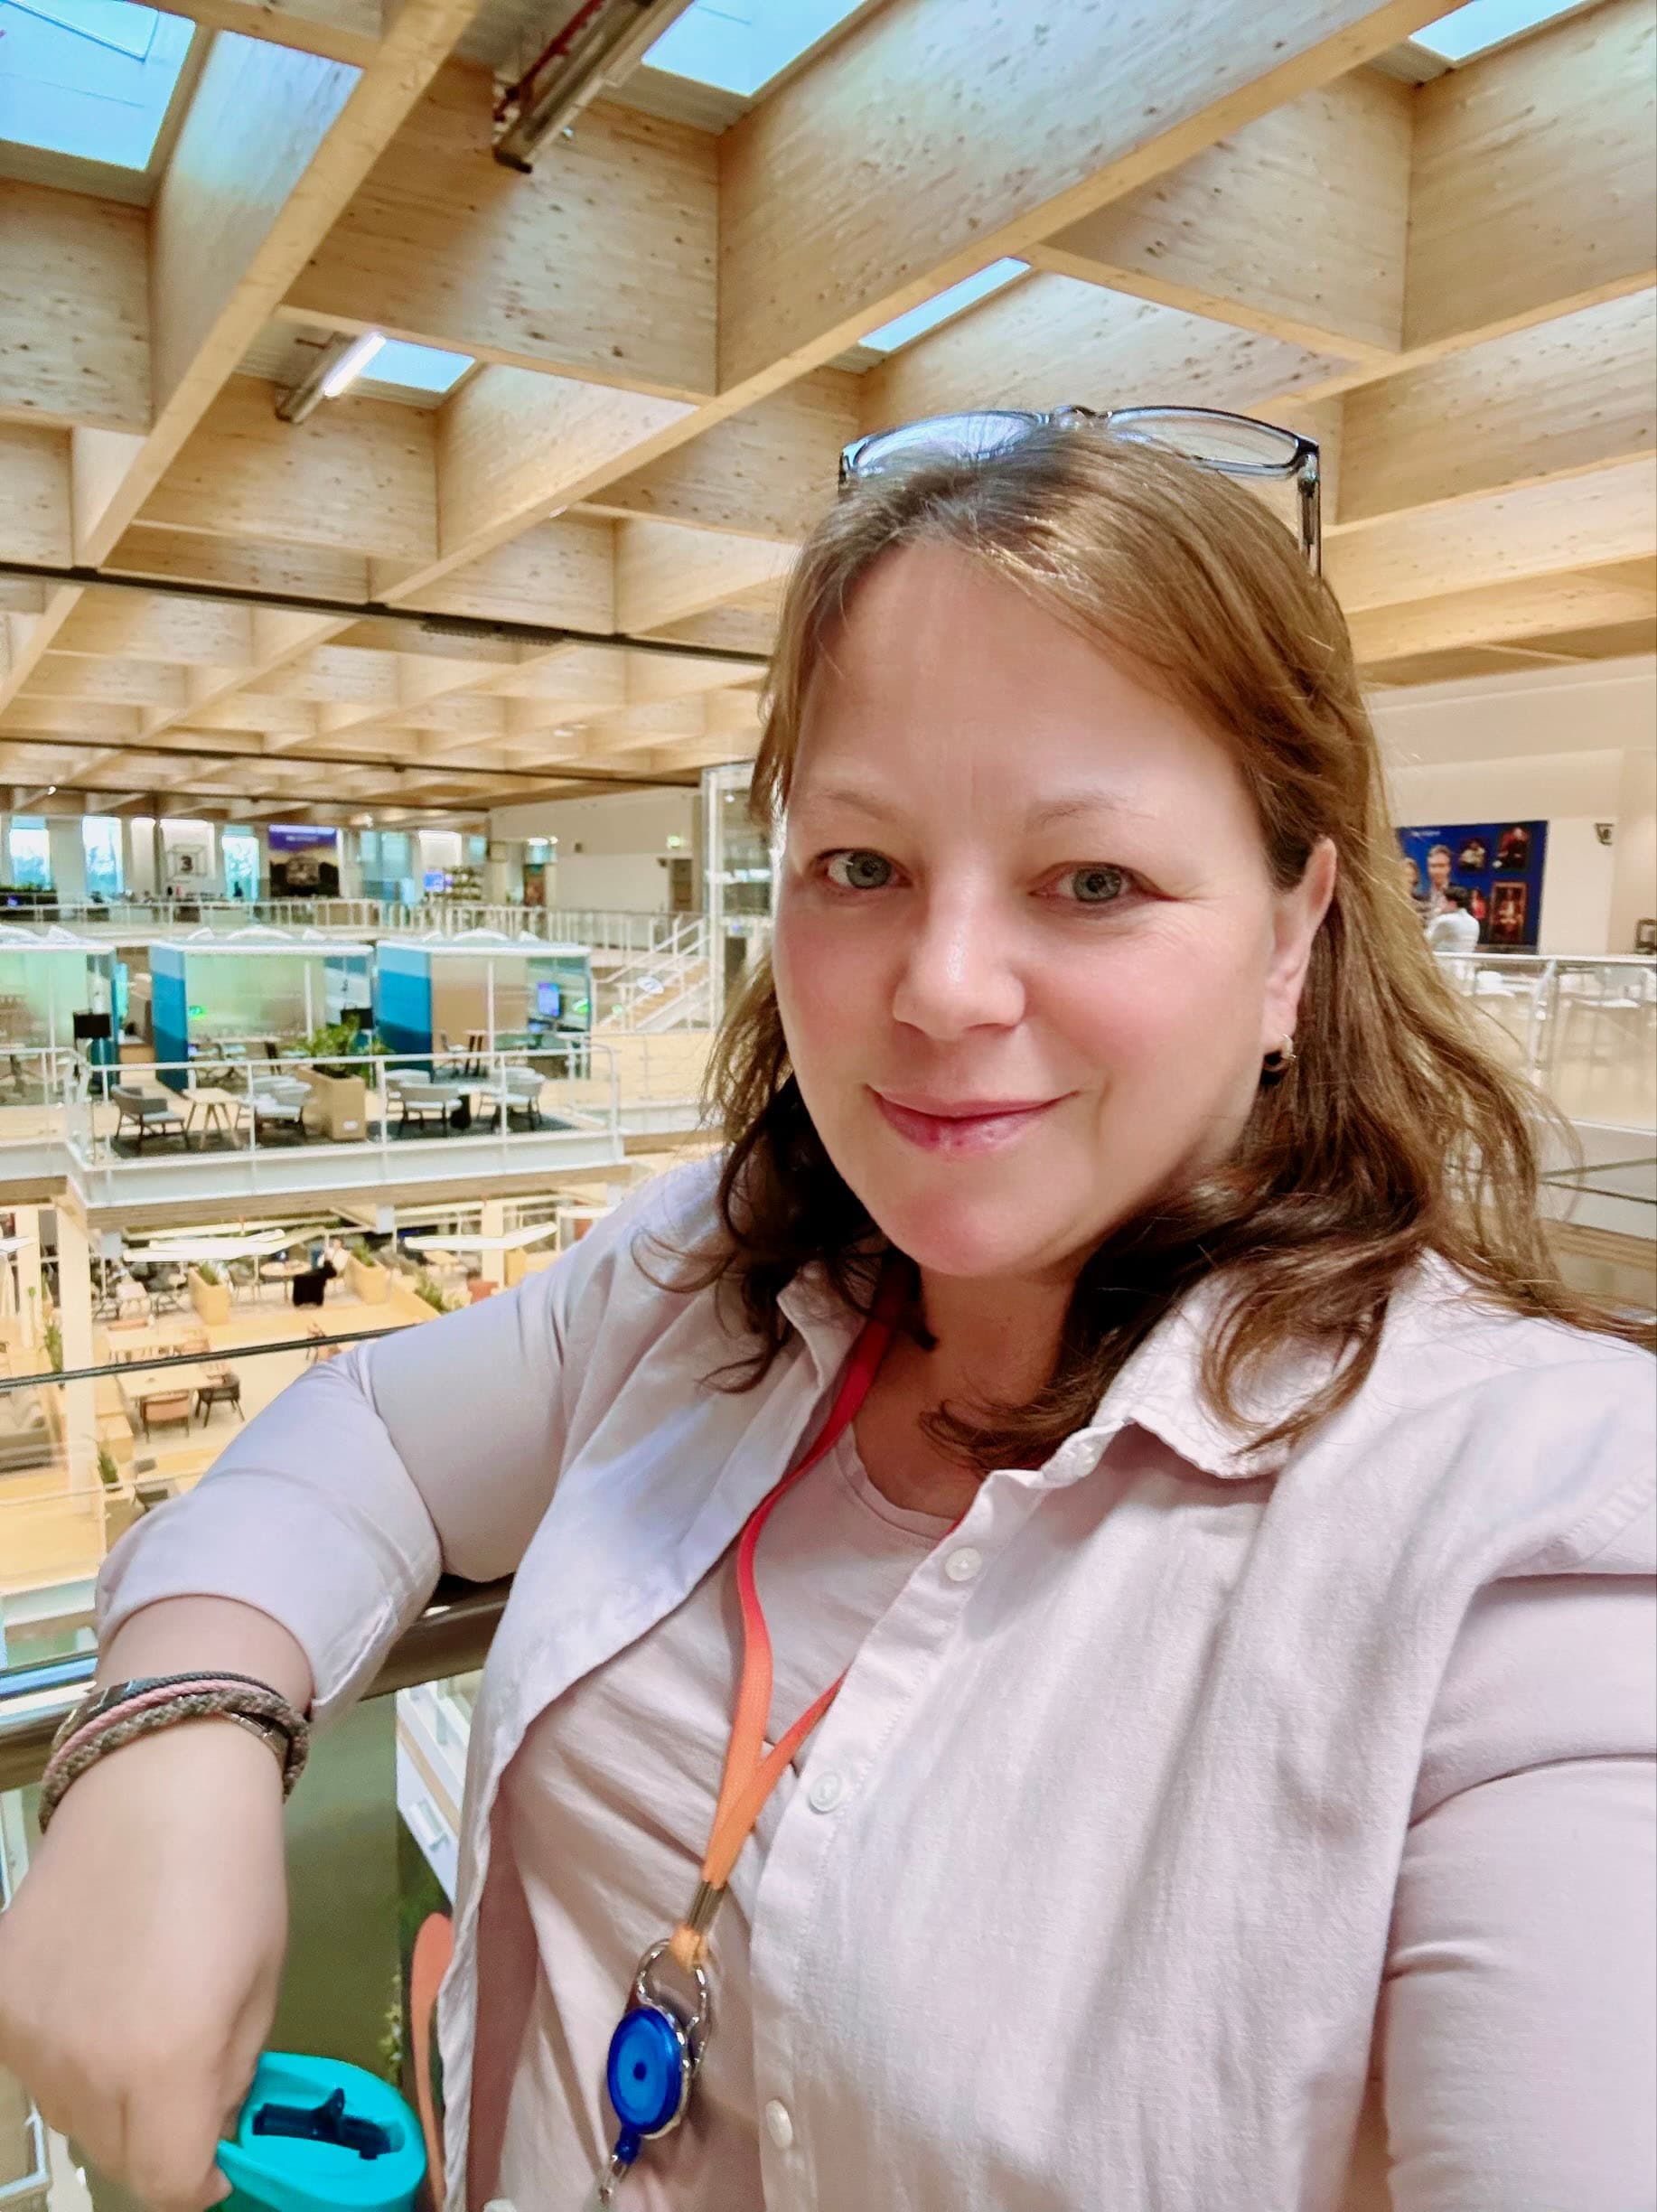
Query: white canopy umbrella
x=513, y=1240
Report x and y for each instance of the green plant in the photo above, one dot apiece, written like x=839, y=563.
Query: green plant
x=210, y=1271
x=360, y=1252
x=433, y=1296
x=54, y=1346
x=109, y=1474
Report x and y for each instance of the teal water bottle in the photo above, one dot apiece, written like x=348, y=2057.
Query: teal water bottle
x=317, y=2135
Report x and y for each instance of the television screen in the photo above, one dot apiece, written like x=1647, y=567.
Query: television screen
x=549, y=1001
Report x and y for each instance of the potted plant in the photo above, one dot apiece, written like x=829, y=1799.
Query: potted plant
x=428, y=1292
x=338, y=1066
x=209, y=1292
x=121, y=1507
x=369, y=1280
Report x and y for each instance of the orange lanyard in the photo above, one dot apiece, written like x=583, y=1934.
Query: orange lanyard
x=749, y=1776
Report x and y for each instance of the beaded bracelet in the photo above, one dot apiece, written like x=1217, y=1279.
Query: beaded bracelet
x=114, y=1718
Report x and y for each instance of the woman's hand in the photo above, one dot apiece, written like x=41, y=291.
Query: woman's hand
x=140, y=1960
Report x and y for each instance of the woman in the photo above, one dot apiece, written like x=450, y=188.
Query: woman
x=1230, y=1537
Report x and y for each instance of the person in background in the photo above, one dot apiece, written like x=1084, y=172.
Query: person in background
x=1439, y=861
x=1455, y=929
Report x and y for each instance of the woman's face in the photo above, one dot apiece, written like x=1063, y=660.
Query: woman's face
x=1028, y=955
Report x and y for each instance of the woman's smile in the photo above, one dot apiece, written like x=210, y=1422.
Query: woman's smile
x=966, y=1127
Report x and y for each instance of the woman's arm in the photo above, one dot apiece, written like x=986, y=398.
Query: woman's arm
x=1519, y=2016
x=330, y=1517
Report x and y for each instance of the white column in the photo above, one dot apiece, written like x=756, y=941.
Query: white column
x=28, y=1226
x=75, y=1328
x=1633, y=852
x=69, y=859
x=493, y=1224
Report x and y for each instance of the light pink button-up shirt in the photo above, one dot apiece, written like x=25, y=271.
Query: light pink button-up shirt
x=1131, y=1771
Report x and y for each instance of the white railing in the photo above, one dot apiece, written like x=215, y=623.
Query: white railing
x=604, y=929
x=118, y=1119
x=666, y=987
x=1584, y=1030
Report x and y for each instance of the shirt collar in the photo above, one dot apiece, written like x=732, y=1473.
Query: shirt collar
x=1159, y=1387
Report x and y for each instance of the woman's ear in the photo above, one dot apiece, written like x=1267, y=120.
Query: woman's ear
x=1298, y=917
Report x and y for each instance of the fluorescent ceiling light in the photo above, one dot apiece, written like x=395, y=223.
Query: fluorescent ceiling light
x=93, y=79
x=931, y=313
x=740, y=46
x=352, y=363
x=1483, y=23
x=417, y=368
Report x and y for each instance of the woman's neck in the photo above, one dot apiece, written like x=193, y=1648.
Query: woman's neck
x=992, y=1339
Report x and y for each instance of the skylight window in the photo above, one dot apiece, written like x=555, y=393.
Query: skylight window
x=740, y=46
x=415, y=367
x=89, y=78
x=1483, y=24
x=931, y=313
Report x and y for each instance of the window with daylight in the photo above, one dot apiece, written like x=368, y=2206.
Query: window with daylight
x=89, y=78
x=100, y=836
x=1483, y=24
x=740, y=46
x=30, y=853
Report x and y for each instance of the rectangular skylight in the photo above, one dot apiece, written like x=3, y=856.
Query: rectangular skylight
x=417, y=368
x=931, y=313
x=1483, y=23
x=740, y=46
x=89, y=78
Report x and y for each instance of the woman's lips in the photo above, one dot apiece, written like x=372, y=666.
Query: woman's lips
x=978, y=1126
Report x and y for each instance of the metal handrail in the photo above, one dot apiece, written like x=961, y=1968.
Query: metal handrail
x=191, y=1359
x=452, y=1637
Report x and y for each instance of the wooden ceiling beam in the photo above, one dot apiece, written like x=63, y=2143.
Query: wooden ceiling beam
x=129, y=626
x=73, y=276
x=1000, y=138
x=186, y=557
x=1573, y=395
x=665, y=572
x=1295, y=225
x=241, y=207
x=1531, y=184
x=445, y=245
x=1584, y=600
x=1052, y=339
x=562, y=571
x=340, y=30
x=1498, y=538
x=769, y=471
x=360, y=476
x=115, y=683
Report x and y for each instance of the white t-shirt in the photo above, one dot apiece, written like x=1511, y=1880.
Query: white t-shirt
x=1454, y=930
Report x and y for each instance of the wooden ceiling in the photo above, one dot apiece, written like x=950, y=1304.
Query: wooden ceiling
x=1225, y=202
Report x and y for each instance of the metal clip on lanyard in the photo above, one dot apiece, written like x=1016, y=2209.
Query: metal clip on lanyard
x=657, y=2048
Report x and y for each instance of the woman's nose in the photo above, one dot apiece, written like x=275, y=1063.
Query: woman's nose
x=957, y=969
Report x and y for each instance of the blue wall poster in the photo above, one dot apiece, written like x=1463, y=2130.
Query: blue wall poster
x=1500, y=865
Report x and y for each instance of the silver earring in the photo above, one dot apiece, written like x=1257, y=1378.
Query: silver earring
x=1280, y=1063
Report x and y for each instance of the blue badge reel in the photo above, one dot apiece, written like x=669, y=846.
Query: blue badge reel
x=317, y=2135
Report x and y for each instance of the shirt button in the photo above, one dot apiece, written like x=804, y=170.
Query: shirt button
x=962, y=1565
x=778, y=2124
x=823, y=1795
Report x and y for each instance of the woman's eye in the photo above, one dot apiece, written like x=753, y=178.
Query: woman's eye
x=1093, y=886
x=858, y=871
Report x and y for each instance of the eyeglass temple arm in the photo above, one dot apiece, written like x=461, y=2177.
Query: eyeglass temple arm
x=1308, y=487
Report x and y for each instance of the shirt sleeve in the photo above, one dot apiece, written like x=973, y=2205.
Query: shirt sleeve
x=1519, y=2017
x=337, y=1507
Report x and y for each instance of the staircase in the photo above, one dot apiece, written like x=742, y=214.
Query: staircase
x=668, y=987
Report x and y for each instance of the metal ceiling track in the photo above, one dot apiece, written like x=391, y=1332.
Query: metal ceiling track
x=371, y=610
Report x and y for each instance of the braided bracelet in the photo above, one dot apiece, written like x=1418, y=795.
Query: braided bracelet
x=147, y=1706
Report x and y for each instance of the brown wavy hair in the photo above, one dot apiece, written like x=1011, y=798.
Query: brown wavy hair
x=1396, y=1133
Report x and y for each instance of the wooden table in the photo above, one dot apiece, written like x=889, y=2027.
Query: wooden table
x=283, y=1270
x=223, y=1109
